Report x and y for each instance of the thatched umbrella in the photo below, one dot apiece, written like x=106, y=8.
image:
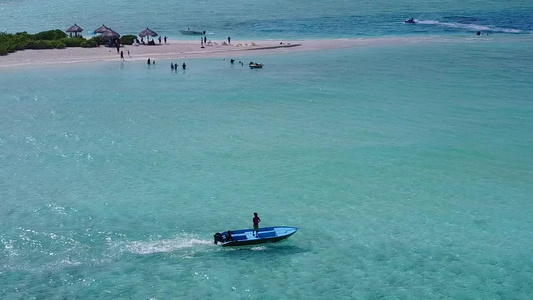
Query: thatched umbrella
x=102, y=29
x=148, y=32
x=110, y=33
x=75, y=29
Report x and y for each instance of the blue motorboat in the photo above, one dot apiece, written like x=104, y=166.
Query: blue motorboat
x=245, y=237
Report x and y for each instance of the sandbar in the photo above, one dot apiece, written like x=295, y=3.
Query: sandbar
x=191, y=49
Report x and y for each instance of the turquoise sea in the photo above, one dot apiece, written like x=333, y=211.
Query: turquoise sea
x=406, y=167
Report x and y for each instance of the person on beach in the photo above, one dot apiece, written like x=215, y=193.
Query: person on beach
x=129, y=53
x=183, y=66
x=165, y=39
x=229, y=40
x=148, y=62
x=176, y=66
x=256, y=221
x=171, y=66
x=122, y=55
x=159, y=40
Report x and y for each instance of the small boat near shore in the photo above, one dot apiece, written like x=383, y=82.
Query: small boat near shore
x=255, y=65
x=245, y=237
x=192, y=32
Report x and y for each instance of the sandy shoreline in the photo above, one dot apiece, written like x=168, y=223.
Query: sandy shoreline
x=191, y=49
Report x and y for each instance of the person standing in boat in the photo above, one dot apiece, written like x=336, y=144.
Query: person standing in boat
x=256, y=221
x=228, y=237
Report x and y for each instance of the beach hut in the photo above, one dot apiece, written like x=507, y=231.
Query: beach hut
x=112, y=37
x=75, y=28
x=102, y=29
x=110, y=33
x=148, y=32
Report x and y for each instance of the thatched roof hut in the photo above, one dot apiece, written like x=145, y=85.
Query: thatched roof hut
x=102, y=29
x=148, y=32
x=75, y=28
x=110, y=33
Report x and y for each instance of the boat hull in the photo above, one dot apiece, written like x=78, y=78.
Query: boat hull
x=192, y=32
x=246, y=237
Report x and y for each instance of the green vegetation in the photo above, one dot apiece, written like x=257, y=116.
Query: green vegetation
x=51, y=39
x=127, y=39
x=50, y=35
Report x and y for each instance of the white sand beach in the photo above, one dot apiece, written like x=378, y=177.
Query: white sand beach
x=190, y=49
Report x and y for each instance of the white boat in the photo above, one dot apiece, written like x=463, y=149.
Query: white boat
x=192, y=32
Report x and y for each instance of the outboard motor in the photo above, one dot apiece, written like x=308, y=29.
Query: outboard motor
x=218, y=238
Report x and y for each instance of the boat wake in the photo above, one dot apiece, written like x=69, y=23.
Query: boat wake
x=259, y=248
x=165, y=245
x=468, y=26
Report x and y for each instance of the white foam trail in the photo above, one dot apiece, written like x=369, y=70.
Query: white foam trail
x=472, y=27
x=61, y=264
x=161, y=246
x=258, y=248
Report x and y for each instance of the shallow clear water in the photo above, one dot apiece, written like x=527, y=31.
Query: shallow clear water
x=406, y=168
